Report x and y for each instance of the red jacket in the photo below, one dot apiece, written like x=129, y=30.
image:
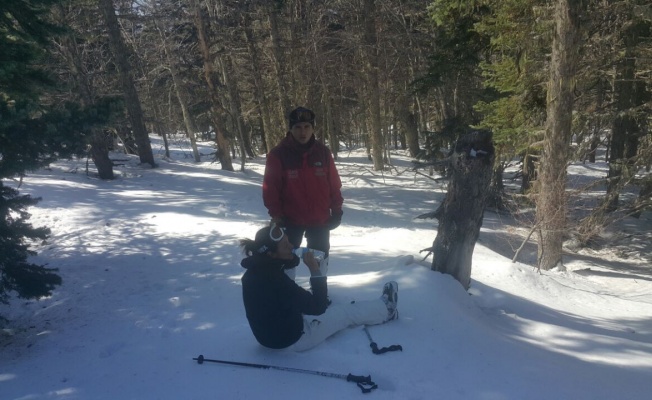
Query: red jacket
x=301, y=184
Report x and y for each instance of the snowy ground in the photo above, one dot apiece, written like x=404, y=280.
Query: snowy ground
x=152, y=279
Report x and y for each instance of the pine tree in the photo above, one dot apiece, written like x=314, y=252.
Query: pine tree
x=17, y=274
x=551, y=200
x=22, y=34
x=34, y=132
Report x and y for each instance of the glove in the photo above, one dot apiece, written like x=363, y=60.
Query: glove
x=334, y=220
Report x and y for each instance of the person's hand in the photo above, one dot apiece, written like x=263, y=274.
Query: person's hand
x=334, y=220
x=312, y=263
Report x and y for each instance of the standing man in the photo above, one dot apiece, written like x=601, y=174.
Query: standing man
x=301, y=187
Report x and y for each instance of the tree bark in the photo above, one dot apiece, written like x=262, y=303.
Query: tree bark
x=279, y=60
x=223, y=145
x=134, y=109
x=497, y=187
x=229, y=77
x=373, y=90
x=629, y=93
x=260, y=97
x=460, y=215
x=99, y=149
x=644, y=201
x=408, y=123
x=529, y=171
x=409, y=120
x=551, y=199
x=178, y=86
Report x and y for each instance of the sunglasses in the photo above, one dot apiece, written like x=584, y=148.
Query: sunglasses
x=276, y=233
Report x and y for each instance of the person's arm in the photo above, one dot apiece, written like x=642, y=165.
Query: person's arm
x=335, y=187
x=272, y=186
x=312, y=264
x=315, y=302
x=335, y=195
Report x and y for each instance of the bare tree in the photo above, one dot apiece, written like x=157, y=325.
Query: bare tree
x=278, y=57
x=373, y=91
x=551, y=198
x=179, y=90
x=71, y=52
x=217, y=110
x=120, y=54
x=229, y=77
x=261, y=98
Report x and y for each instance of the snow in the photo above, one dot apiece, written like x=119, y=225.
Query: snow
x=151, y=274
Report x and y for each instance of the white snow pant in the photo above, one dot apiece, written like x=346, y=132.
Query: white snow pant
x=316, y=328
x=323, y=267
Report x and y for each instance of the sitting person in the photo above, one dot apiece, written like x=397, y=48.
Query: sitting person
x=282, y=314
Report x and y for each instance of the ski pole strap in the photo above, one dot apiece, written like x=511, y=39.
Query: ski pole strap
x=374, y=346
x=376, y=350
x=364, y=382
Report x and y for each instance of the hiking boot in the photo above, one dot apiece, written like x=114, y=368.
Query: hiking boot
x=390, y=297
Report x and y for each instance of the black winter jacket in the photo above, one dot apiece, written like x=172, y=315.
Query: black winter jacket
x=275, y=304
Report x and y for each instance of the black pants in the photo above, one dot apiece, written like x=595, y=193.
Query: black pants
x=318, y=237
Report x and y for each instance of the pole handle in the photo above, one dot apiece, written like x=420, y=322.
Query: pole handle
x=376, y=350
x=364, y=382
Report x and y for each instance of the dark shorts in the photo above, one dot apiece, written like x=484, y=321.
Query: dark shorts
x=318, y=237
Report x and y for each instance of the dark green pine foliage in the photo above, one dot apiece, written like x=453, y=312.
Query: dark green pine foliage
x=34, y=131
x=23, y=34
x=521, y=38
x=454, y=72
x=16, y=273
x=459, y=47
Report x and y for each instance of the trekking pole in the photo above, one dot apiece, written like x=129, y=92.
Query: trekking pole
x=364, y=382
x=374, y=346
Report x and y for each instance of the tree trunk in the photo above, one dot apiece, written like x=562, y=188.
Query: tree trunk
x=99, y=150
x=100, y=142
x=629, y=94
x=529, y=171
x=120, y=55
x=551, y=199
x=161, y=130
x=373, y=90
x=228, y=74
x=597, y=124
x=328, y=117
x=267, y=135
x=178, y=90
x=279, y=60
x=460, y=215
x=497, y=187
x=644, y=201
x=408, y=120
x=223, y=145
x=408, y=123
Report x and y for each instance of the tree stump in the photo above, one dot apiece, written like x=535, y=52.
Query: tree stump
x=460, y=215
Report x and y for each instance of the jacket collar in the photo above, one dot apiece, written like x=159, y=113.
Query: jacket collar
x=292, y=143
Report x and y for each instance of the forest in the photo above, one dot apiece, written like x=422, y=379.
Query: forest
x=553, y=81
